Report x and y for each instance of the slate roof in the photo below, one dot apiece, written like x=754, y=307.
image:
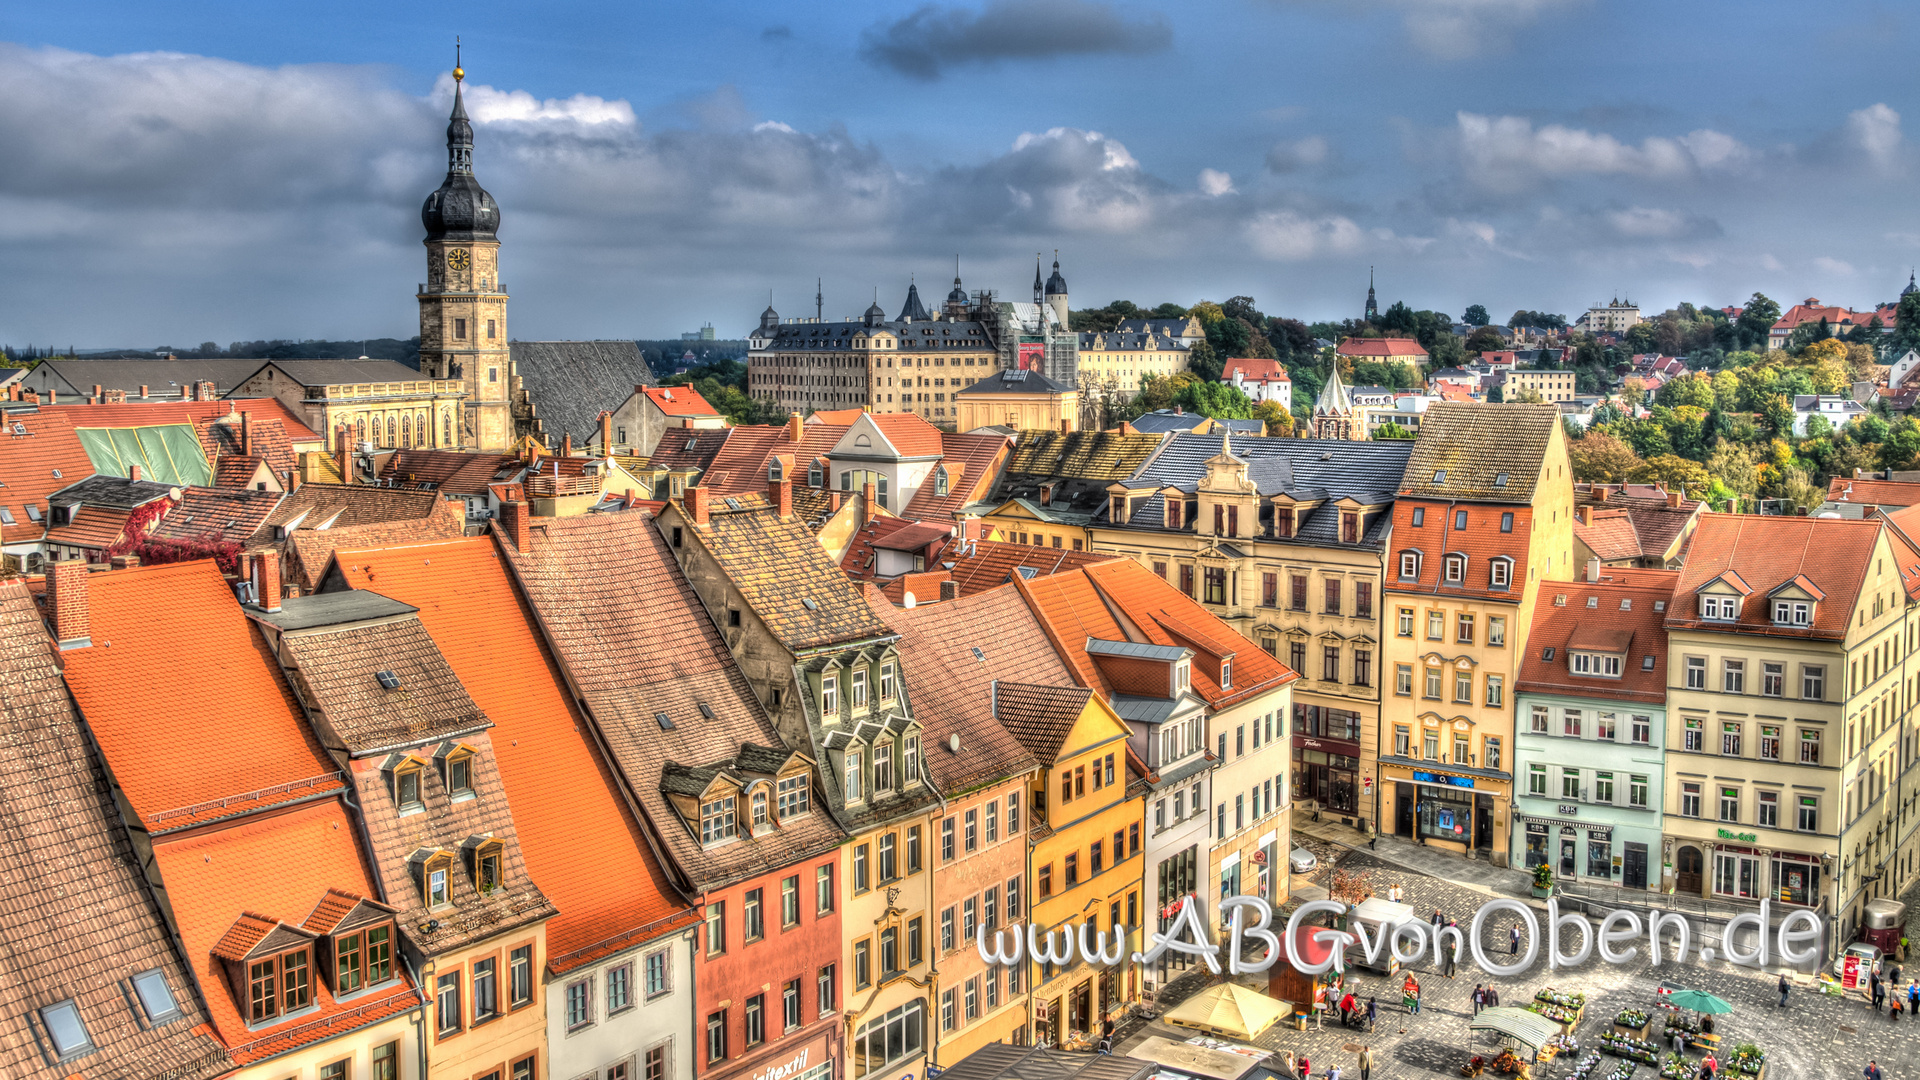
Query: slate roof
x=781, y=570
x=158, y=375
x=338, y=669
x=62, y=946
x=1589, y=615
x=1165, y=420
x=1464, y=448
x=580, y=840
x=39, y=455
x=1039, y=716
x=572, y=382
x=636, y=641
x=343, y=371
x=977, y=459
x=1835, y=553
x=1016, y=381
x=116, y=492
x=224, y=513
x=1161, y=327
x=203, y=674
x=1089, y=455
x=451, y=472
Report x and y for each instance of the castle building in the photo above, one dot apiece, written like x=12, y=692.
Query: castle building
x=463, y=307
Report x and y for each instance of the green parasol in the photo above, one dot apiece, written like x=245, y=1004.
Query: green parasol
x=1698, y=1001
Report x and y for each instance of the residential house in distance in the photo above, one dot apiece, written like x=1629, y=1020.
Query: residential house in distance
x=1592, y=698
x=1637, y=525
x=1120, y=361
x=1852, y=498
x=1616, y=316
x=1839, y=319
x=108, y=993
x=1483, y=521
x=959, y=652
x=1261, y=380
x=618, y=968
x=1055, y=482
x=1086, y=851
x=1406, y=352
x=1554, y=385
x=1284, y=540
x=1017, y=399
x=1185, y=330
x=638, y=424
x=1838, y=410
x=931, y=563
x=1786, y=716
x=298, y=960
x=831, y=676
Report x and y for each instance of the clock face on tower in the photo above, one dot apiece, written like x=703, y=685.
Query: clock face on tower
x=458, y=259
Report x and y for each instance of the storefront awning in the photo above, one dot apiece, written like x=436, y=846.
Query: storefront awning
x=1528, y=1027
x=1229, y=1009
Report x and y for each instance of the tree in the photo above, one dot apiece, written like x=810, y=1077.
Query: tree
x=1485, y=339
x=1215, y=399
x=1526, y=395
x=1391, y=430
x=1676, y=473
x=1732, y=465
x=1800, y=490
x=1204, y=362
x=1756, y=321
x=1476, y=315
x=1906, y=329
x=1159, y=391
x=1278, y=420
x=1870, y=429
x=1600, y=458
x=1169, y=311
x=1688, y=389
x=1776, y=411
x=1397, y=319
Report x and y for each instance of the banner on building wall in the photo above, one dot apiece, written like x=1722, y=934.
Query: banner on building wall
x=1033, y=357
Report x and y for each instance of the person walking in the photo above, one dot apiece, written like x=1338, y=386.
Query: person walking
x=1493, y=996
x=1453, y=958
x=1783, y=990
x=1333, y=1073
x=1306, y=1068
x=1436, y=919
x=1366, y=1063
x=1872, y=1071
x=1479, y=998
x=1879, y=993
x=1513, y=940
x=1679, y=1042
x=1913, y=997
x=1373, y=1014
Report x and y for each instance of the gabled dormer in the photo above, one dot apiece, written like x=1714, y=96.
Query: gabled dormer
x=1289, y=513
x=358, y=951
x=456, y=761
x=1722, y=598
x=269, y=967
x=1793, y=604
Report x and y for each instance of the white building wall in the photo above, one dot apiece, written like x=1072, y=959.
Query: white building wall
x=608, y=1040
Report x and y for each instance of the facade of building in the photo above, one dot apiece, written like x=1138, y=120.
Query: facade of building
x=1788, y=711
x=1119, y=361
x=1261, y=380
x=1589, y=751
x=1614, y=317
x=875, y=363
x=638, y=424
x=1483, y=521
x=1406, y=352
x=1552, y=384
x=1022, y=400
x=379, y=401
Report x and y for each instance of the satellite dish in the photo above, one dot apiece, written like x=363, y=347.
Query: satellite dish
x=908, y=601
x=953, y=742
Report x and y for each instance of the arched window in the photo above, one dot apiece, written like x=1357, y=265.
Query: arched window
x=406, y=431
x=774, y=474
x=940, y=481
x=815, y=477
x=360, y=430
x=392, y=431
x=446, y=428
x=760, y=810
x=422, y=433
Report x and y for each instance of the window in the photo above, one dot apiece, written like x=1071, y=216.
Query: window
x=897, y=1036
x=1405, y=626
x=1463, y=687
x=854, y=794
x=1808, y=819
x=822, y=889
x=1493, y=752
x=1769, y=742
x=407, y=788
x=1330, y=664
x=1496, y=690
x=717, y=821
x=1690, y=800
x=824, y=989
x=1436, y=625
x=1733, y=677
x=916, y=941
x=1500, y=571
x=1216, y=578
x=754, y=921
x=1013, y=898
x=1409, y=566
x=1603, y=787
x=993, y=821
x=1456, y=568
x=1333, y=596
x=793, y=795
x=460, y=775
x=1569, y=783
x=1363, y=599
x=1718, y=607
x=437, y=888
x=656, y=973
x=862, y=965
x=861, y=882
x=1072, y=868
x=156, y=998
x=830, y=695
x=486, y=990
x=1729, y=804
x=1403, y=679
x=857, y=691
x=1362, y=667
x=1186, y=579
x=1401, y=737
x=1696, y=673
x=336, y=1070
x=1537, y=780
x=386, y=1061
x=717, y=1036
x=520, y=976
x=1792, y=612
x=1013, y=814
x=1642, y=730
x=1694, y=734
x=716, y=927
x=756, y=1017
x=1767, y=809
x=1730, y=739
x=447, y=1001
x=1431, y=745
x=1773, y=680
x=1506, y=521
x=66, y=1030
x=1813, y=683
x=1419, y=516
x=790, y=1005
x=1637, y=791
x=1809, y=746
x=1603, y=726
x=1297, y=655
x=1045, y=880
x=947, y=940
x=972, y=818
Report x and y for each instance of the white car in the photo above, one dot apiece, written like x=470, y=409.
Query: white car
x=1302, y=861
x=1868, y=953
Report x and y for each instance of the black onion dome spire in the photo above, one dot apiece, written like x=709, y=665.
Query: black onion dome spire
x=958, y=295
x=461, y=209
x=1056, y=285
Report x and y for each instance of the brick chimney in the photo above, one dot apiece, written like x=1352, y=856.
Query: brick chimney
x=833, y=501
x=868, y=500
x=266, y=584
x=513, y=522
x=1674, y=497
x=566, y=444
x=97, y=397
x=606, y=434
x=949, y=590
x=293, y=480
x=796, y=427
x=205, y=391
x=1584, y=514
x=125, y=562
x=246, y=435
x=1601, y=491
x=143, y=391
x=1593, y=570
x=133, y=473
x=696, y=505
x=53, y=396
x=780, y=494
x=67, y=603
x=342, y=453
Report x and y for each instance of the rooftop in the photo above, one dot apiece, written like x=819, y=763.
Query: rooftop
x=570, y=383
x=1766, y=552
x=1490, y=453
x=1621, y=614
x=784, y=574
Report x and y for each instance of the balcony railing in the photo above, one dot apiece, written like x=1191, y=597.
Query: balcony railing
x=549, y=487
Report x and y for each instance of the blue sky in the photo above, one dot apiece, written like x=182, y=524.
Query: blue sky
x=178, y=173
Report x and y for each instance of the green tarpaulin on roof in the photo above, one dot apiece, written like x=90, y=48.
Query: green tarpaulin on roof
x=166, y=453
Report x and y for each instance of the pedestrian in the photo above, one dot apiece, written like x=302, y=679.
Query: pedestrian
x=1513, y=940
x=1291, y=1069
x=1679, y=1041
x=1479, y=998
x=1453, y=958
x=1436, y=918
x=1373, y=1014
x=1879, y=994
x=1872, y=1071
x=1873, y=981
x=1306, y=1067
x=1893, y=1008
x=1493, y=996
x=1710, y=1066
x=1366, y=1063
x=1783, y=989
x=1333, y=1073
x=1913, y=997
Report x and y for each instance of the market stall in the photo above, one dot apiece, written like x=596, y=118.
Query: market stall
x=1379, y=917
x=1310, y=995
x=1533, y=1032
x=1229, y=1009
x=1560, y=1006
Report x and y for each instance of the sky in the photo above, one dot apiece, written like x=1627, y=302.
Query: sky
x=174, y=173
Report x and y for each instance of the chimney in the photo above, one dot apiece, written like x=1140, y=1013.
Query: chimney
x=125, y=562
x=133, y=473
x=205, y=391
x=340, y=452
x=949, y=590
x=513, y=521
x=246, y=435
x=1066, y=426
x=566, y=444
x=796, y=427
x=266, y=586
x=780, y=494
x=1179, y=410
x=143, y=391
x=1584, y=513
x=606, y=434
x=696, y=505
x=53, y=396
x=1593, y=569
x=293, y=480
x=1601, y=491
x=98, y=395
x=1674, y=497
x=868, y=500
x=1889, y=472
x=67, y=602
x=833, y=501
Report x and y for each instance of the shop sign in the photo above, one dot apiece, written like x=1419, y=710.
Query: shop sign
x=794, y=1066
x=1442, y=778
x=1729, y=834
x=1348, y=747
x=1570, y=811
x=1536, y=828
x=1605, y=836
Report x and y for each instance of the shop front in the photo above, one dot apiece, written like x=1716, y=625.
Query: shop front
x=812, y=1060
x=1326, y=757
x=1734, y=866
x=1455, y=810
x=1596, y=851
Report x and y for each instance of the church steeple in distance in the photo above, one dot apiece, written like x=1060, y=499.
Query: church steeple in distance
x=1373, y=305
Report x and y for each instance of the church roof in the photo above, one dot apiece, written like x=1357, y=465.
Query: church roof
x=1333, y=397
x=572, y=382
x=1056, y=285
x=913, y=308
x=461, y=209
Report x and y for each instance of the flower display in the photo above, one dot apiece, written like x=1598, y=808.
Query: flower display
x=1747, y=1058
x=1631, y=1018
x=1559, y=1014
x=1585, y=1070
x=1558, y=997
x=1677, y=1067
x=1627, y=1046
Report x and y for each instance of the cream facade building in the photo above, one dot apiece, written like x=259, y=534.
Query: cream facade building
x=1553, y=384
x=1126, y=359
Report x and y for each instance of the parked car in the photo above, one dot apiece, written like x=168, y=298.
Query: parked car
x=1868, y=953
x=1302, y=861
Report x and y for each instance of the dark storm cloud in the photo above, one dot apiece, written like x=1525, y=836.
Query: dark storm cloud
x=932, y=39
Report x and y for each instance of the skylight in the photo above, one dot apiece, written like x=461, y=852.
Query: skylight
x=666, y=724
x=155, y=996
x=706, y=710
x=1439, y=476
x=388, y=679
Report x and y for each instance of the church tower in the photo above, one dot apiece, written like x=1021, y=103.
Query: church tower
x=463, y=309
x=1373, y=305
x=1057, y=292
x=1334, y=416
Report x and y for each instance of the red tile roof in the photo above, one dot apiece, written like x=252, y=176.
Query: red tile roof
x=145, y=413
x=1481, y=541
x=1255, y=369
x=451, y=472
x=1766, y=552
x=741, y=464
x=220, y=438
x=679, y=401
x=1840, y=489
x=242, y=874
x=33, y=448
x=91, y=527
x=1609, y=534
x=842, y=417
x=909, y=433
x=307, y=549
x=1812, y=311
x=1565, y=619
x=580, y=841
x=174, y=669
x=1391, y=347
x=976, y=565
x=973, y=463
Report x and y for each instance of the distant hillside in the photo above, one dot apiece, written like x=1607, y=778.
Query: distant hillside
x=664, y=356
x=405, y=351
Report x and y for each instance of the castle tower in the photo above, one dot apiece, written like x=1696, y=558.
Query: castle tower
x=1057, y=292
x=463, y=309
x=1373, y=305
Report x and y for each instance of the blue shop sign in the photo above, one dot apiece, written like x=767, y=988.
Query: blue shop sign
x=1441, y=778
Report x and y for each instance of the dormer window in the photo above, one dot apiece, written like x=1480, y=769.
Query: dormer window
x=1409, y=566
x=1456, y=569
x=1283, y=522
x=883, y=767
x=775, y=473
x=1500, y=573
x=1182, y=676
x=829, y=696
x=855, y=791
x=815, y=477
x=488, y=857
x=362, y=958
x=406, y=786
x=460, y=775
x=910, y=765
x=717, y=820
x=886, y=682
x=793, y=796
x=858, y=690
x=437, y=881
x=1349, y=528
x=761, y=822
x=1792, y=613
x=940, y=482
x=279, y=985
x=1719, y=607
x=1603, y=665
x=1226, y=674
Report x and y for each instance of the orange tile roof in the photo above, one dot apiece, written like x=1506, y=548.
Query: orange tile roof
x=977, y=459
x=741, y=464
x=1563, y=619
x=976, y=565
x=450, y=472
x=33, y=448
x=216, y=878
x=842, y=417
x=91, y=527
x=679, y=401
x=1380, y=347
x=174, y=669
x=144, y=413
x=1609, y=535
x=579, y=839
x=1812, y=311
x=1255, y=368
x=1481, y=541
x=307, y=549
x=1873, y=492
x=909, y=433
x=1766, y=552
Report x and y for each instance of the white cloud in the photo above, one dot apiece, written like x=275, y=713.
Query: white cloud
x=1215, y=183
x=1507, y=153
x=1299, y=155
x=1876, y=130
x=1642, y=221
x=487, y=105
x=1827, y=264
x=1458, y=29
x=1291, y=236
